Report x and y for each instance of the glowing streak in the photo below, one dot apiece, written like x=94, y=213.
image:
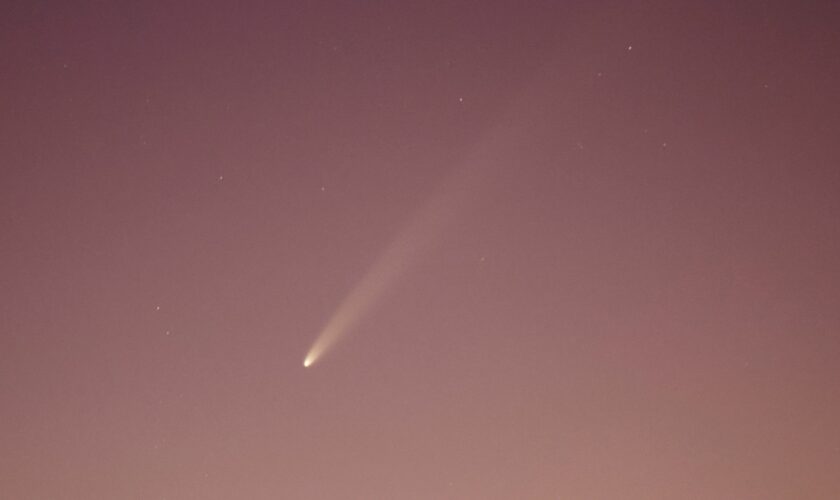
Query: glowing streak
x=458, y=192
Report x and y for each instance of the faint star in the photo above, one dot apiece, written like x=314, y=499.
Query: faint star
x=460, y=99
x=629, y=47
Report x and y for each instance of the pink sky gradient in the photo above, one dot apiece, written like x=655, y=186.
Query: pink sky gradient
x=633, y=294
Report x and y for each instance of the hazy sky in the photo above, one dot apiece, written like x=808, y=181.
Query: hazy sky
x=597, y=243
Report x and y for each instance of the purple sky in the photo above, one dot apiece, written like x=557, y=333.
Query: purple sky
x=620, y=276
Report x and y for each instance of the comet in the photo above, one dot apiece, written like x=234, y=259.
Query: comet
x=458, y=192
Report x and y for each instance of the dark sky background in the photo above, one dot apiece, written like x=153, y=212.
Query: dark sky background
x=636, y=293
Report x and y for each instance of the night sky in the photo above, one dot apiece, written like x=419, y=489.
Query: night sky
x=560, y=250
